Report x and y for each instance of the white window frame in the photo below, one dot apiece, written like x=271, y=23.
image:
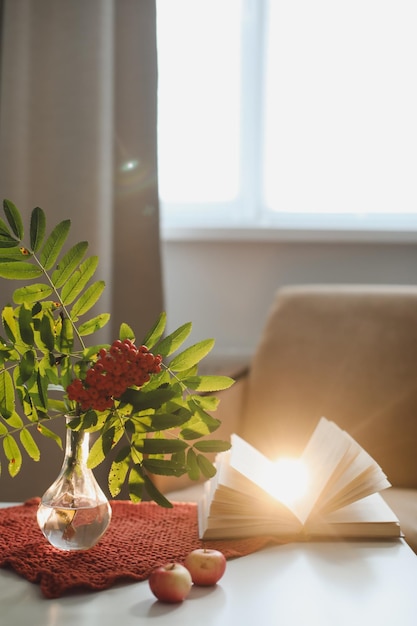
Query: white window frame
x=245, y=219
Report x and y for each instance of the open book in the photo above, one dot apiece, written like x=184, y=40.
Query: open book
x=334, y=492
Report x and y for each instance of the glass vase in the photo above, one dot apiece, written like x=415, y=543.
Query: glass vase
x=74, y=513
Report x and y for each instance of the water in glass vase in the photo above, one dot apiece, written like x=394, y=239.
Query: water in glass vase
x=73, y=528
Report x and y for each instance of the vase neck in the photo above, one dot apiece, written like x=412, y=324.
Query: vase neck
x=77, y=445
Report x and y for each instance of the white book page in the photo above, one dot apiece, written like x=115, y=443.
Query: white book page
x=322, y=455
x=325, y=451
x=362, y=477
x=372, y=508
x=246, y=473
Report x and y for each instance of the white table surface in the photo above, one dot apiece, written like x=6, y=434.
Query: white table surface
x=311, y=584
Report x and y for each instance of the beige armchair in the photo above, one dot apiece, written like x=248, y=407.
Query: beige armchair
x=348, y=353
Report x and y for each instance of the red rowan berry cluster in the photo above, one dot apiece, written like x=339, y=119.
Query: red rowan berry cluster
x=122, y=366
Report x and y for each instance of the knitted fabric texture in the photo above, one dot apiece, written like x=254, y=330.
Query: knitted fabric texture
x=140, y=537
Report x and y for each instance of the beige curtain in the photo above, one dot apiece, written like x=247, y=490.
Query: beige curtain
x=78, y=138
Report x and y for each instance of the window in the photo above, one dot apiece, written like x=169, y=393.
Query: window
x=279, y=115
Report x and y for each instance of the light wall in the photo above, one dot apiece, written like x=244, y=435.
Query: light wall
x=226, y=287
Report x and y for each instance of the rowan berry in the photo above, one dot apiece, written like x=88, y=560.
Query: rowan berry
x=115, y=370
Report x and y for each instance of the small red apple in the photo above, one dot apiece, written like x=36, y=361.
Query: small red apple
x=206, y=566
x=170, y=582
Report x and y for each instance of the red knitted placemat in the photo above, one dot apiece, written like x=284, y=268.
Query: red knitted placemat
x=140, y=537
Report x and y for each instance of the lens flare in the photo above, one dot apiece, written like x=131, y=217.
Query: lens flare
x=289, y=481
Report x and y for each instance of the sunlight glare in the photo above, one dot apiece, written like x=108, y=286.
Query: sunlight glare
x=290, y=480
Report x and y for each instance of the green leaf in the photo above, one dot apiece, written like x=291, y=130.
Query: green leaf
x=27, y=365
x=207, y=403
x=37, y=308
x=29, y=444
x=191, y=355
x=65, y=340
x=159, y=380
x=7, y=242
x=46, y=333
x=201, y=416
x=192, y=371
x=14, y=218
x=90, y=327
x=201, y=425
x=155, y=332
x=28, y=407
x=42, y=385
x=13, y=455
x=31, y=293
x=117, y=476
x=6, y=238
x=162, y=446
x=92, y=351
x=69, y=263
x=57, y=405
x=206, y=467
x=48, y=369
x=7, y=399
x=19, y=270
x=164, y=467
x=180, y=458
x=9, y=323
x=126, y=332
x=102, y=446
x=5, y=231
x=193, y=469
x=212, y=445
x=54, y=243
x=123, y=454
x=208, y=383
x=74, y=286
x=174, y=340
x=88, y=299
x=194, y=432
x=13, y=253
x=97, y=454
x=15, y=421
x=163, y=421
x=155, y=494
x=26, y=325
x=141, y=400
x=49, y=434
x=37, y=228
x=89, y=420
x=136, y=483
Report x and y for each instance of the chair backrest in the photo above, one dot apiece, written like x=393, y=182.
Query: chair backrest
x=348, y=353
